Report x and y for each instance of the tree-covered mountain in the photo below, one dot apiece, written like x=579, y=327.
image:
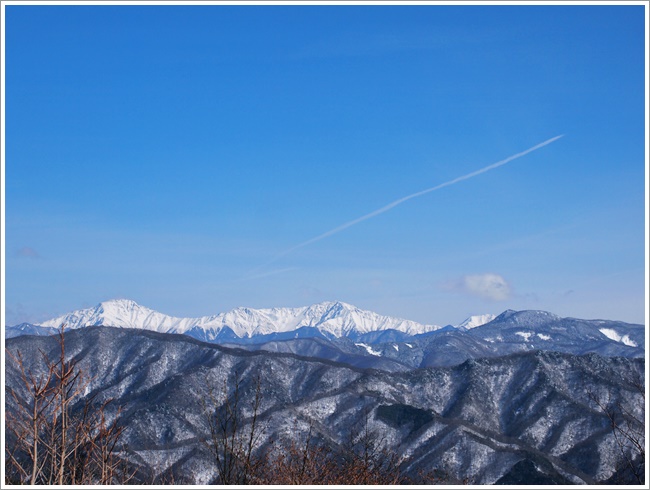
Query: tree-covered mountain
x=529, y=416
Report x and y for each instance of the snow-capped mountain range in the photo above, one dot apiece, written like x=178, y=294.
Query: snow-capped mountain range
x=423, y=345
x=331, y=319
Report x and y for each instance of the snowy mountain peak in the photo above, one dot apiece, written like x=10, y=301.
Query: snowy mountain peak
x=117, y=307
x=475, y=321
x=119, y=304
x=332, y=319
x=113, y=313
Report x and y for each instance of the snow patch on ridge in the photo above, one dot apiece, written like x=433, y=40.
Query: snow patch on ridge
x=615, y=336
x=525, y=335
x=370, y=350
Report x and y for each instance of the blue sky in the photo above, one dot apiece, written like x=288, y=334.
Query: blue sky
x=173, y=154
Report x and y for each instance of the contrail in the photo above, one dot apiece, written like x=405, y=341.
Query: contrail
x=269, y=273
x=393, y=204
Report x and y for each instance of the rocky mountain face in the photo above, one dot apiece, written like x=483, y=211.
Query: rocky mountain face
x=529, y=415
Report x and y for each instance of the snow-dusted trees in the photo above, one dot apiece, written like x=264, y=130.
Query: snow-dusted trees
x=627, y=423
x=363, y=459
x=233, y=436
x=242, y=457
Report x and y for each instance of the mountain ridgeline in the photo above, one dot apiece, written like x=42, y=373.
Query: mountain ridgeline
x=521, y=398
x=344, y=333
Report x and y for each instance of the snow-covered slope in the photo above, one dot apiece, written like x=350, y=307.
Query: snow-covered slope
x=331, y=319
x=616, y=337
x=477, y=420
x=476, y=321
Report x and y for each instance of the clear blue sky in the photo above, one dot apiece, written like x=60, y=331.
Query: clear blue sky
x=172, y=154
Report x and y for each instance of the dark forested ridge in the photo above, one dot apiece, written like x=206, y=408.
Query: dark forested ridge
x=537, y=416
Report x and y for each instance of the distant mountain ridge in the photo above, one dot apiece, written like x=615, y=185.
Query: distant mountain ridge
x=328, y=319
x=344, y=333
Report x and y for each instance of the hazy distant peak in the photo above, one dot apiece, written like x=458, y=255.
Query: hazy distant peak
x=476, y=321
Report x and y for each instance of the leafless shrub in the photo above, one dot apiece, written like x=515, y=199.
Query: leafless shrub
x=628, y=430
x=232, y=438
x=364, y=459
x=48, y=443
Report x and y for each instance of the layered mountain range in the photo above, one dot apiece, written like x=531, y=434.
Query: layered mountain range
x=530, y=417
x=525, y=397
x=344, y=333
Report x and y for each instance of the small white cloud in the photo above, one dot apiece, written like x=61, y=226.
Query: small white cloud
x=487, y=286
x=27, y=252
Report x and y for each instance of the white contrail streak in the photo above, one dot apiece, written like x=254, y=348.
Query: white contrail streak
x=393, y=204
x=269, y=273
